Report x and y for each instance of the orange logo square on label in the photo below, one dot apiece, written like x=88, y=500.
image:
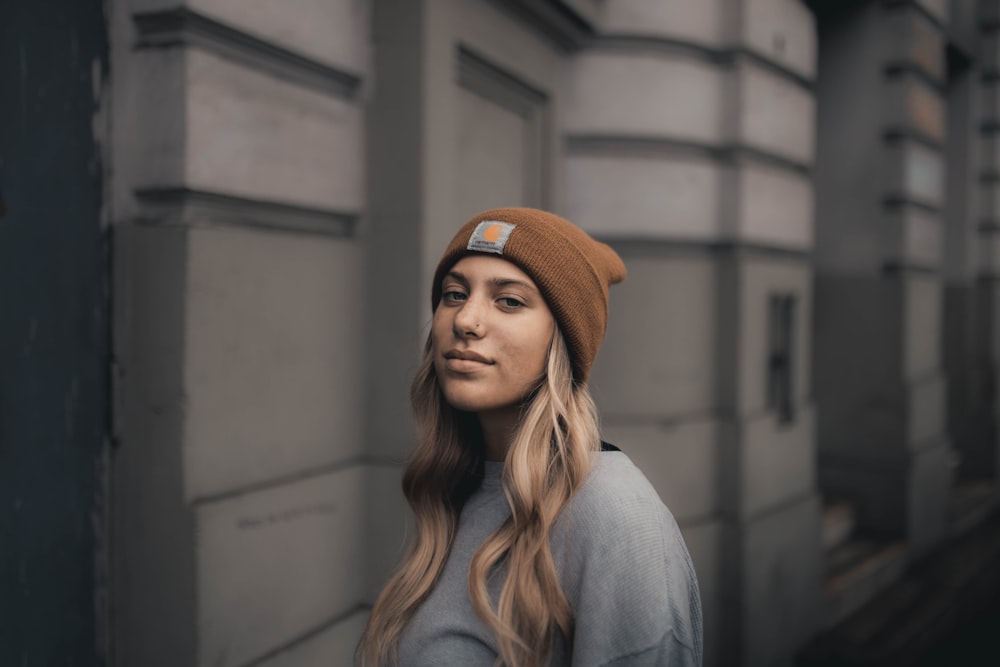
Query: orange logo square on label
x=490, y=236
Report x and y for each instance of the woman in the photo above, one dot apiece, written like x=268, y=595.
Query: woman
x=535, y=542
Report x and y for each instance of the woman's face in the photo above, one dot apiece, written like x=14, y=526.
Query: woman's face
x=490, y=335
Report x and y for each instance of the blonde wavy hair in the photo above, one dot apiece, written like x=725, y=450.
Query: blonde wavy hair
x=549, y=457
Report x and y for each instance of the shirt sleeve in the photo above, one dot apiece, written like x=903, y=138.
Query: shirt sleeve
x=669, y=651
x=630, y=580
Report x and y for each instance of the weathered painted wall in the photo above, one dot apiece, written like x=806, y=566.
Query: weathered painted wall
x=882, y=435
x=285, y=180
x=54, y=283
x=690, y=137
x=238, y=198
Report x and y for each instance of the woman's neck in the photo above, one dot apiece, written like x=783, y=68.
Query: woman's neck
x=498, y=427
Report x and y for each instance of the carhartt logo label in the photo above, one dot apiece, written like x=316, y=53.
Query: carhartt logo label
x=492, y=233
x=490, y=236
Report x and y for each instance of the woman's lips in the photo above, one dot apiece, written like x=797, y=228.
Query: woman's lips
x=464, y=365
x=465, y=361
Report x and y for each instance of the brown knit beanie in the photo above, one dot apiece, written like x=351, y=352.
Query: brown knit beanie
x=572, y=270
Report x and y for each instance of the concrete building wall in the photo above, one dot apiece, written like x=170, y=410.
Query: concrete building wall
x=970, y=414
x=984, y=461
x=776, y=177
x=882, y=434
x=689, y=144
x=238, y=198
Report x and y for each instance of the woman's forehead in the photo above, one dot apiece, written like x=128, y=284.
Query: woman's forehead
x=485, y=267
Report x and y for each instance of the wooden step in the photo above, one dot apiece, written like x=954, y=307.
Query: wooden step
x=838, y=524
x=856, y=572
x=946, y=590
x=969, y=504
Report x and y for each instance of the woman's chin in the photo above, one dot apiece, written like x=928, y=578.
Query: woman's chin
x=461, y=398
x=470, y=403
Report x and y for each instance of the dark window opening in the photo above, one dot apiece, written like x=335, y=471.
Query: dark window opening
x=781, y=329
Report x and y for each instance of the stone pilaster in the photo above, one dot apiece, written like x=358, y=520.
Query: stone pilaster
x=689, y=147
x=981, y=458
x=238, y=191
x=880, y=183
x=970, y=414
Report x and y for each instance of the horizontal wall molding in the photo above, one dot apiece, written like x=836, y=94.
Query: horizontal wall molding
x=897, y=200
x=604, y=145
x=184, y=27
x=312, y=633
x=721, y=57
x=901, y=69
x=989, y=75
x=899, y=133
x=655, y=247
x=600, y=145
x=554, y=19
x=295, y=477
x=897, y=267
x=919, y=9
x=665, y=423
x=718, y=417
x=622, y=42
x=487, y=79
x=279, y=481
x=775, y=67
x=988, y=228
x=990, y=126
x=186, y=206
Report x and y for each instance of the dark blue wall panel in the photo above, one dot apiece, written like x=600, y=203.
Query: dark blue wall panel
x=54, y=301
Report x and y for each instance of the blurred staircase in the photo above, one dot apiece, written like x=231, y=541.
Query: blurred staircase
x=857, y=567
x=880, y=613
x=969, y=504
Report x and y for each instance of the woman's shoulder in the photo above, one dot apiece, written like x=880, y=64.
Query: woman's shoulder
x=627, y=571
x=614, y=478
x=617, y=498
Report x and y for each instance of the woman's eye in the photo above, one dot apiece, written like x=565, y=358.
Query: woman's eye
x=453, y=296
x=509, y=302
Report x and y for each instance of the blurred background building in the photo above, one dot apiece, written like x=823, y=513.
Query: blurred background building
x=222, y=219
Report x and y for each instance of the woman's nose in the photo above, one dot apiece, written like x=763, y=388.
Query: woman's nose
x=468, y=319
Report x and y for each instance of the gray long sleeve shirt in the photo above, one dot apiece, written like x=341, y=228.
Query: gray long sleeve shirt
x=622, y=564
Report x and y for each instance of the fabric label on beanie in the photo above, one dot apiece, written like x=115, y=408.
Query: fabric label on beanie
x=490, y=236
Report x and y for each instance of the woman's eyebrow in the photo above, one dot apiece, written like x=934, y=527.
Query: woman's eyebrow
x=496, y=282
x=506, y=282
x=457, y=276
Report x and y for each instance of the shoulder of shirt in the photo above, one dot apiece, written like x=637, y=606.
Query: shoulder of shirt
x=617, y=494
x=615, y=476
